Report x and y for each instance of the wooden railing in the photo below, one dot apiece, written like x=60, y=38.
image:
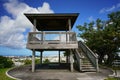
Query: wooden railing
x=79, y=58
x=91, y=56
x=52, y=37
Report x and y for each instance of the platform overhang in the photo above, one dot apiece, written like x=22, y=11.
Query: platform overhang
x=52, y=22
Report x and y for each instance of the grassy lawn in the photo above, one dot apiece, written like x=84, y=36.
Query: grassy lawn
x=111, y=79
x=3, y=75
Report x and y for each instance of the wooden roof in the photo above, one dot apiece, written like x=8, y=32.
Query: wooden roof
x=52, y=22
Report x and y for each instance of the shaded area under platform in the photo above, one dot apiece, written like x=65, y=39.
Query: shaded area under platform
x=53, y=66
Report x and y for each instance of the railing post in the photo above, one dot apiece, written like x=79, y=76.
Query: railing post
x=80, y=64
x=43, y=36
x=66, y=37
x=60, y=36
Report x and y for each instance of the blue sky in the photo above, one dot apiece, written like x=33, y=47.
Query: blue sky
x=14, y=26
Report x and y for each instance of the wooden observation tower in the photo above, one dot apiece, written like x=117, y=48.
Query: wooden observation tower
x=46, y=25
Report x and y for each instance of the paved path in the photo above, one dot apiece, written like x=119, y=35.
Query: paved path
x=24, y=73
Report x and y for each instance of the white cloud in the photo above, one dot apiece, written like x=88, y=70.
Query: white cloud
x=118, y=5
x=12, y=28
x=91, y=18
x=45, y=8
x=109, y=9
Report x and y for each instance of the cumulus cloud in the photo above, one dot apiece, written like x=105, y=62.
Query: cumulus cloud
x=12, y=28
x=109, y=9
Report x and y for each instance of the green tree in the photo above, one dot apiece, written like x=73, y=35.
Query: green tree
x=103, y=37
x=5, y=62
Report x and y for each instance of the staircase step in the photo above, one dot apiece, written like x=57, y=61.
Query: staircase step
x=87, y=65
x=88, y=69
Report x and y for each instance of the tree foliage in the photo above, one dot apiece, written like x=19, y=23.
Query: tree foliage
x=103, y=37
x=5, y=62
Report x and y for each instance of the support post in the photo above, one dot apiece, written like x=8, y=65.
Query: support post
x=67, y=59
x=41, y=57
x=34, y=28
x=59, y=57
x=69, y=23
x=71, y=61
x=33, y=61
x=67, y=56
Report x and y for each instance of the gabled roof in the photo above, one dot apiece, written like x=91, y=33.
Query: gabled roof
x=52, y=22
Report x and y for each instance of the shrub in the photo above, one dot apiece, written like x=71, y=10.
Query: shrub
x=27, y=61
x=46, y=61
x=5, y=62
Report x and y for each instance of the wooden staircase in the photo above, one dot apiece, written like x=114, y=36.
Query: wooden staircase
x=85, y=58
x=86, y=65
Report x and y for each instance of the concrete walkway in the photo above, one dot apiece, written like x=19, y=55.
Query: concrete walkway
x=24, y=73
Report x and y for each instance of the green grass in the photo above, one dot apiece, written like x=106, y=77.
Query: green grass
x=111, y=79
x=3, y=75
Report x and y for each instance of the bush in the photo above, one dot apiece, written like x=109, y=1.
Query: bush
x=5, y=62
x=37, y=61
x=27, y=61
x=46, y=61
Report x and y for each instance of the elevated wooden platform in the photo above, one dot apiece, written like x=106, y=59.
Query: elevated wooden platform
x=65, y=40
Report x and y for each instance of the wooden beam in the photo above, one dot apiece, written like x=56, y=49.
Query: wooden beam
x=52, y=46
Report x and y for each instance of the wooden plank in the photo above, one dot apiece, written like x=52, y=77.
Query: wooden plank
x=52, y=46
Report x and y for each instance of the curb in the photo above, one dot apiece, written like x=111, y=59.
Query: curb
x=10, y=75
x=113, y=73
